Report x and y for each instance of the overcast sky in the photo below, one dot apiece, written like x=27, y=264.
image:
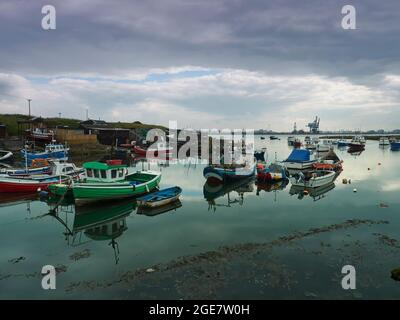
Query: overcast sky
x=205, y=63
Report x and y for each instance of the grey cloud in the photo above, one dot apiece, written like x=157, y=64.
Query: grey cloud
x=284, y=36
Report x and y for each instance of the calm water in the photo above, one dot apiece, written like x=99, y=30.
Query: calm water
x=94, y=265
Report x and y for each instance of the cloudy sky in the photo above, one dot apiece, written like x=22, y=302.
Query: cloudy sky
x=205, y=63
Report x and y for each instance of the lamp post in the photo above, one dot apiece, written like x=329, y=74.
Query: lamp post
x=29, y=106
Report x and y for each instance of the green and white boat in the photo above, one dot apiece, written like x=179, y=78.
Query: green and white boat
x=108, y=181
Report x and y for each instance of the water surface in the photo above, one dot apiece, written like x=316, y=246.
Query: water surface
x=198, y=250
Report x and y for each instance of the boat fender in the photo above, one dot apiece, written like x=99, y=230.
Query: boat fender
x=147, y=188
x=39, y=190
x=305, y=192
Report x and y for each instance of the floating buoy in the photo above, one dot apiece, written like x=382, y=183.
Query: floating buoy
x=305, y=192
x=354, y=190
x=344, y=181
x=369, y=169
x=349, y=181
x=379, y=163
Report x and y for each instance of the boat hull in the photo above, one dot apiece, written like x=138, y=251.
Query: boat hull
x=85, y=193
x=62, y=155
x=221, y=174
x=14, y=185
x=299, y=165
x=315, y=182
x=395, y=146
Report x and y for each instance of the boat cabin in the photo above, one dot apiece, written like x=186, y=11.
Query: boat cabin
x=63, y=168
x=55, y=148
x=105, y=172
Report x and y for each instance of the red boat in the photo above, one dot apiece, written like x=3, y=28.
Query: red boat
x=39, y=135
x=154, y=151
x=28, y=184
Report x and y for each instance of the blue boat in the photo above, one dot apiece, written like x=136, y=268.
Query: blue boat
x=395, y=146
x=299, y=159
x=160, y=198
x=342, y=143
x=52, y=151
x=224, y=173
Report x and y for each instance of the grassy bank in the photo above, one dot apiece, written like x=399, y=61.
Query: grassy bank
x=11, y=121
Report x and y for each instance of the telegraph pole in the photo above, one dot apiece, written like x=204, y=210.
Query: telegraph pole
x=29, y=106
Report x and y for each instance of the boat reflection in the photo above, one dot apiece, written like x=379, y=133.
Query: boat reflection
x=354, y=152
x=212, y=192
x=314, y=193
x=151, y=212
x=269, y=187
x=101, y=222
x=13, y=199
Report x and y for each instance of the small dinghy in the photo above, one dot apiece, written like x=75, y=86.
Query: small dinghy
x=313, y=179
x=160, y=198
x=329, y=162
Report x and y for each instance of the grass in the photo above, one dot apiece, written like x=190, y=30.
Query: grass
x=11, y=121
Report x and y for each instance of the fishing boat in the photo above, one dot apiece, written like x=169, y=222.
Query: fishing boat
x=357, y=143
x=395, y=146
x=38, y=166
x=161, y=149
x=342, y=143
x=109, y=181
x=39, y=135
x=6, y=155
x=273, y=138
x=159, y=198
x=384, y=141
x=310, y=146
x=29, y=183
x=329, y=162
x=299, y=159
x=221, y=173
x=51, y=151
x=322, y=147
x=273, y=172
x=313, y=179
x=291, y=140
x=262, y=138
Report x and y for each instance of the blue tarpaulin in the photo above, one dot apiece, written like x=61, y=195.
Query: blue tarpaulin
x=299, y=155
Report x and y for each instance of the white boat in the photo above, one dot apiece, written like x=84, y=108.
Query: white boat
x=311, y=146
x=325, y=146
x=313, y=179
x=5, y=155
x=299, y=159
x=357, y=143
x=384, y=141
x=291, y=140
